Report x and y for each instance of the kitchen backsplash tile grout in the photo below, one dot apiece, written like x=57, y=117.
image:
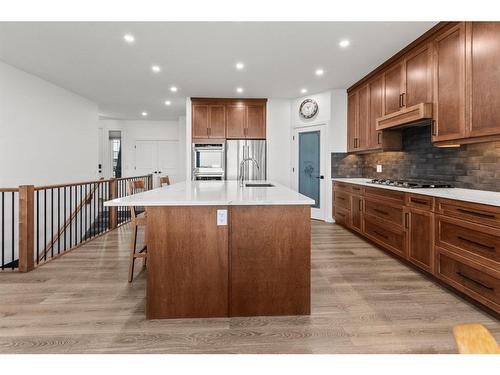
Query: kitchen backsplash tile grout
x=474, y=166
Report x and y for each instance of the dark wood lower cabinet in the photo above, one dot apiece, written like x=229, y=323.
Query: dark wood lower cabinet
x=270, y=257
x=420, y=238
x=457, y=242
x=356, y=211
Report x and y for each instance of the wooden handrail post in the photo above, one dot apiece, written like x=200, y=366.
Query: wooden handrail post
x=113, y=211
x=26, y=228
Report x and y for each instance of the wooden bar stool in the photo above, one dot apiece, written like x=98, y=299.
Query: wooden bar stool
x=164, y=180
x=137, y=220
x=475, y=339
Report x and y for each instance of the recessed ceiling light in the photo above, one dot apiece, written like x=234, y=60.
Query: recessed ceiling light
x=344, y=43
x=303, y=91
x=156, y=68
x=168, y=102
x=239, y=90
x=240, y=66
x=129, y=38
x=173, y=89
x=144, y=114
x=319, y=72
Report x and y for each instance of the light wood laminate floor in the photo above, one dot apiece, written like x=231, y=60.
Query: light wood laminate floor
x=363, y=301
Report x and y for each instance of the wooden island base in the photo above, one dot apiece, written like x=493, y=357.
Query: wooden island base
x=257, y=264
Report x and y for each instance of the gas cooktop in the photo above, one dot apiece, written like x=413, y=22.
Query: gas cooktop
x=411, y=184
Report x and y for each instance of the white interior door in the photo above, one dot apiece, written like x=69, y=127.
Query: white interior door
x=146, y=157
x=310, y=164
x=159, y=158
x=168, y=159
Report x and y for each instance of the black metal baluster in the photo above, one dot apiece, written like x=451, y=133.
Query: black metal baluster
x=65, y=219
x=95, y=211
x=13, y=234
x=3, y=229
x=58, y=220
x=81, y=214
x=44, y=224
x=37, y=227
x=85, y=213
x=106, y=189
x=70, y=214
x=52, y=223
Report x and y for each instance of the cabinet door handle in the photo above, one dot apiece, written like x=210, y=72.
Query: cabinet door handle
x=403, y=99
x=480, y=214
x=378, y=137
x=381, y=235
x=474, y=281
x=380, y=211
x=487, y=247
x=400, y=100
x=418, y=201
x=407, y=220
x=434, y=127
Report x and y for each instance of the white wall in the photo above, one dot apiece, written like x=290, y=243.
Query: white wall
x=47, y=134
x=131, y=131
x=279, y=141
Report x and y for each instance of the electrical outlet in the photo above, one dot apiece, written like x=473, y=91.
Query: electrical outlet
x=221, y=217
x=379, y=168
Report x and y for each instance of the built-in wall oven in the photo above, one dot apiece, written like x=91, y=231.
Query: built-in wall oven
x=208, y=161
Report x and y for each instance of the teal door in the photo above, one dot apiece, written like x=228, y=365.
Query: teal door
x=309, y=168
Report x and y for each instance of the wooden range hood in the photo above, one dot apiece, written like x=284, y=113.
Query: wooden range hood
x=405, y=117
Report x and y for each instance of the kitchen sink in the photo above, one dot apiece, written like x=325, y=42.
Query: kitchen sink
x=258, y=185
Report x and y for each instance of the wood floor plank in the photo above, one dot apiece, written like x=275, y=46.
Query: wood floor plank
x=363, y=301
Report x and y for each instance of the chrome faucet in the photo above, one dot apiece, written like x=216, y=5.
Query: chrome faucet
x=242, y=164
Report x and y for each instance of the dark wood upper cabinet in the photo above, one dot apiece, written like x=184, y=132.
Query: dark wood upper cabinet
x=449, y=84
x=217, y=121
x=363, y=117
x=256, y=121
x=236, y=118
x=393, y=88
x=418, y=77
x=220, y=119
x=483, y=68
x=352, y=121
x=374, y=136
x=200, y=121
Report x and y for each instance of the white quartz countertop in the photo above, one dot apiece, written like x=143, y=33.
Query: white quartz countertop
x=467, y=195
x=214, y=193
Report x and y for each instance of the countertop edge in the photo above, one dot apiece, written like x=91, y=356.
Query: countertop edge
x=491, y=198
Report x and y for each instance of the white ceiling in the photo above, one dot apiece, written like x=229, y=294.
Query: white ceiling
x=91, y=59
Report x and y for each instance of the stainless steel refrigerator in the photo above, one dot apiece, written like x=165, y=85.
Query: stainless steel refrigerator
x=237, y=150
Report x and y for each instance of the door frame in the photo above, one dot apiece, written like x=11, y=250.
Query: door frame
x=321, y=212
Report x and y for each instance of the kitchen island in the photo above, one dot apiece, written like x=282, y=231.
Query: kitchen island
x=217, y=249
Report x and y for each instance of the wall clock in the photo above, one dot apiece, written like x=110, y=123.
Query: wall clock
x=308, y=109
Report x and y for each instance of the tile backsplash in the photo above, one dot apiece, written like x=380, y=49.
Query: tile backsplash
x=475, y=166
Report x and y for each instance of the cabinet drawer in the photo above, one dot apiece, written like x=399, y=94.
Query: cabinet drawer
x=342, y=216
x=384, y=211
x=357, y=189
x=477, y=213
x=475, y=240
x=479, y=282
x=382, y=233
x=422, y=202
x=386, y=194
x=342, y=199
x=340, y=186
